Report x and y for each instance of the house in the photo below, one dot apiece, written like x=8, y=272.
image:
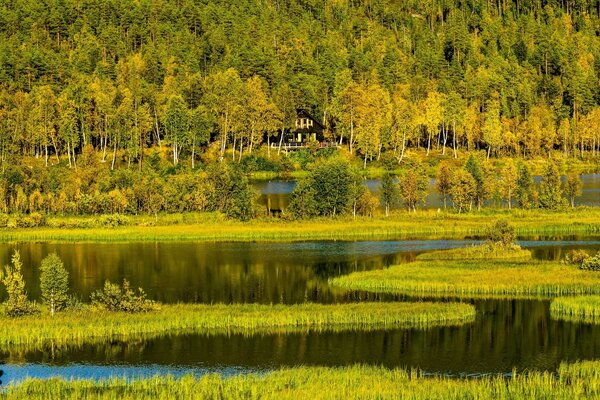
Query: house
x=307, y=130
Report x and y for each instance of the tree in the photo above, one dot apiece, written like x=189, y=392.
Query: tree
x=509, y=182
x=482, y=192
x=573, y=188
x=177, y=124
x=492, y=129
x=525, y=191
x=413, y=187
x=550, y=196
x=443, y=181
x=17, y=304
x=332, y=182
x=54, y=283
x=389, y=193
x=463, y=190
x=302, y=200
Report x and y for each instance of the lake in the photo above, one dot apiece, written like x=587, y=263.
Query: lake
x=506, y=333
x=276, y=194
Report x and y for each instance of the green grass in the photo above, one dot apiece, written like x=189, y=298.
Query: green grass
x=424, y=224
x=89, y=325
x=576, y=381
x=492, y=278
x=578, y=309
x=480, y=252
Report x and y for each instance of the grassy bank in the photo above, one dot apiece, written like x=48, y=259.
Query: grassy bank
x=575, y=381
x=423, y=224
x=579, y=308
x=485, y=252
x=76, y=327
x=496, y=278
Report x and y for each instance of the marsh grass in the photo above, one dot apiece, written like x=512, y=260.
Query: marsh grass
x=493, y=278
x=486, y=251
x=575, y=381
x=577, y=309
x=212, y=226
x=91, y=326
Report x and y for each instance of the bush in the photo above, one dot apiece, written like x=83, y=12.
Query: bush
x=591, y=263
x=576, y=257
x=113, y=220
x=116, y=298
x=501, y=233
x=32, y=220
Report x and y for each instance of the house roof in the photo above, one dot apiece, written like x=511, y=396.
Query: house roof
x=304, y=113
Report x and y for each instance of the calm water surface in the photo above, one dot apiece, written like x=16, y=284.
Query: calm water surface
x=507, y=334
x=276, y=194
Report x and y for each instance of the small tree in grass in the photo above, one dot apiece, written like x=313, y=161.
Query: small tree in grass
x=389, y=193
x=17, y=304
x=54, y=283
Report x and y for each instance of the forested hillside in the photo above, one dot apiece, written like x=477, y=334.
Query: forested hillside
x=510, y=77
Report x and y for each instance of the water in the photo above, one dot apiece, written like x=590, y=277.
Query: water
x=507, y=334
x=276, y=194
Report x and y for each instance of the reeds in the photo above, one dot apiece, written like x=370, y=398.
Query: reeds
x=89, y=325
x=576, y=381
x=492, y=278
x=579, y=308
x=485, y=251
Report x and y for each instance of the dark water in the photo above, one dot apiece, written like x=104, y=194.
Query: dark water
x=507, y=334
x=275, y=194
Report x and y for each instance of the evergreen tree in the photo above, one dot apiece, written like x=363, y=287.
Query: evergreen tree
x=54, y=283
x=525, y=191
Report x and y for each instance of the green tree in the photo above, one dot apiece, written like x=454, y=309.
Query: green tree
x=177, y=124
x=573, y=187
x=17, y=304
x=332, y=182
x=443, y=181
x=54, y=283
x=524, y=193
x=482, y=192
x=550, y=196
x=389, y=193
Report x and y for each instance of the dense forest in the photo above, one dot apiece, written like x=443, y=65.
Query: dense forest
x=510, y=77
x=134, y=96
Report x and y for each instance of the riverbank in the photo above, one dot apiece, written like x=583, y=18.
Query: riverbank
x=459, y=273
x=424, y=224
x=572, y=381
x=89, y=326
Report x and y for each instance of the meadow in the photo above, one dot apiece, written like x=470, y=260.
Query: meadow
x=486, y=251
x=572, y=381
x=89, y=325
x=213, y=226
x=577, y=309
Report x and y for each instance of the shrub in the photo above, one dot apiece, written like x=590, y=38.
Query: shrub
x=591, y=263
x=113, y=220
x=116, y=298
x=576, y=257
x=501, y=233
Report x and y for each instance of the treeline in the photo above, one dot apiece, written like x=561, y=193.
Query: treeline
x=335, y=187
x=514, y=77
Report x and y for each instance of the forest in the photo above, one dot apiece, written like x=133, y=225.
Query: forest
x=134, y=96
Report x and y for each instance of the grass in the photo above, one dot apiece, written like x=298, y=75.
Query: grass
x=486, y=252
x=210, y=226
x=575, y=381
x=493, y=278
x=89, y=325
x=578, y=309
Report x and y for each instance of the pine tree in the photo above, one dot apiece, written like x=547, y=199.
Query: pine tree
x=550, y=196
